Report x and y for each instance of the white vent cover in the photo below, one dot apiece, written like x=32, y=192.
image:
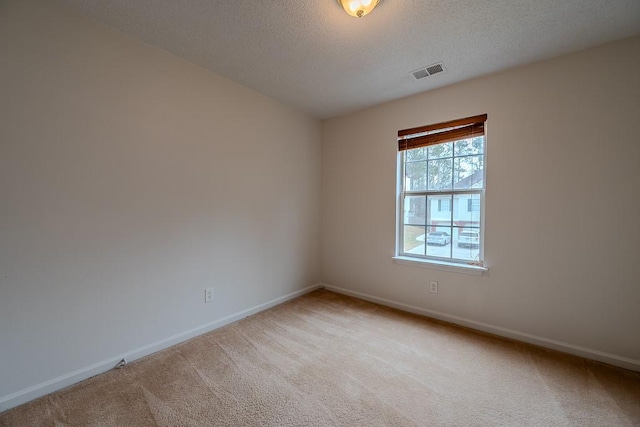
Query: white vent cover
x=428, y=71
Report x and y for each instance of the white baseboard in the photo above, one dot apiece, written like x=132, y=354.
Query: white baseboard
x=587, y=353
x=38, y=390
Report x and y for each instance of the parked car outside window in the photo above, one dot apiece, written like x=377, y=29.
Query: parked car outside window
x=441, y=238
x=469, y=239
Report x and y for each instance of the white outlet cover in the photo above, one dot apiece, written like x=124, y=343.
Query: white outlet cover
x=433, y=287
x=208, y=295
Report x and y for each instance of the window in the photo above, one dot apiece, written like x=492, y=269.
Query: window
x=441, y=191
x=473, y=205
x=444, y=205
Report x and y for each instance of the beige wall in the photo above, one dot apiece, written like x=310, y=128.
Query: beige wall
x=131, y=180
x=562, y=201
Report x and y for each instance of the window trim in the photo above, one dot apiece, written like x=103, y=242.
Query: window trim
x=452, y=267
x=404, y=138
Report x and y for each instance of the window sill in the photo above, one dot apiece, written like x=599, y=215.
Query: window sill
x=452, y=267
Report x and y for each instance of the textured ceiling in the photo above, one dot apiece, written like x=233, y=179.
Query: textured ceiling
x=313, y=56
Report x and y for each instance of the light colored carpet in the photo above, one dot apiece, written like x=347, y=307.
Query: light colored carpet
x=329, y=360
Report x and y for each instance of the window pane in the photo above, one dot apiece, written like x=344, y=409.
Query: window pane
x=466, y=243
x=415, y=176
x=436, y=215
x=416, y=154
x=466, y=210
x=440, y=174
x=414, y=240
x=469, y=172
x=414, y=210
x=469, y=146
x=439, y=242
x=440, y=150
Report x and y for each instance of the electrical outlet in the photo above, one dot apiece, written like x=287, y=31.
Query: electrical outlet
x=208, y=295
x=433, y=287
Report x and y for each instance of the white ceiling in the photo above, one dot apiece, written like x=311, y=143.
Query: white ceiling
x=311, y=55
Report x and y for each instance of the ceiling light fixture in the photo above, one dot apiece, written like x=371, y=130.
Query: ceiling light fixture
x=358, y=8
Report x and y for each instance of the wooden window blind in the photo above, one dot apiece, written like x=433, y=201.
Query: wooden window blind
x=439, y=133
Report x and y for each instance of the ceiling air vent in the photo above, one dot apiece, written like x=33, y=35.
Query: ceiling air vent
x=428, y=71
x=420, y=74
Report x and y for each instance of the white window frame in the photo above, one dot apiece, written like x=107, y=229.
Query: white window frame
x=430, y=261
